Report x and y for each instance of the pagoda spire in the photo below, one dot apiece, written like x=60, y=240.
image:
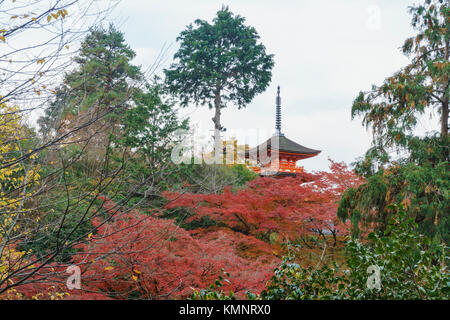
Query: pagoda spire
x=278, y=114
x=283, y=161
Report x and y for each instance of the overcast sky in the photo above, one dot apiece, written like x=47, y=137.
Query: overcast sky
x=326, y=51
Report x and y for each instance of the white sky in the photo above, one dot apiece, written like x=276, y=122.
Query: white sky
x=326, y=51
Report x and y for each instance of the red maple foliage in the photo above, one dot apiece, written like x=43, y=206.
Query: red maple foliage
x=292, y=207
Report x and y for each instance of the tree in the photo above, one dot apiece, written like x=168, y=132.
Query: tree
x=149, y=133
x=130, y=254
x=50, y=184
x=289, y=207
x=401, y=166
x=87, y=111
x=37, y=39
x=393, y=109
x=212, y=178
x=101, y=87
x=391, y=265
x=407, y=269
x=141, y=256
x=219, y=63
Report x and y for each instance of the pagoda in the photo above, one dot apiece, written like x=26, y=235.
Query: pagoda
x=278, y=155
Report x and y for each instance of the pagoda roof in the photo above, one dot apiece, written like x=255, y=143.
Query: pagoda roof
x=287, y=145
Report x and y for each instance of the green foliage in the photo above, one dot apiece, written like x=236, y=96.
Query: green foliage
x=408, y=269
x=62, y=227
x=393, y=109
x=66, y=211
x=215, y=291
x=212, y=178
x=124, y=128
x=218, y=63
x=294, y=282
x=204, y=222
x=150, y=130
x=149, y=127
x=243, y=174
x=419, y=177
x=105, y=71
x=104, y=79
x=423, y=190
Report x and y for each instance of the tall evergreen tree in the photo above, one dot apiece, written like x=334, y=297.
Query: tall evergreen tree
x=420, y=177
x=115, y=114
x=219, y=63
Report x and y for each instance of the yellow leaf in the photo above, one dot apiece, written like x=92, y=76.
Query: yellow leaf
x=109, y=268
x=134, y=278
x=49, y=18
x=2, y=38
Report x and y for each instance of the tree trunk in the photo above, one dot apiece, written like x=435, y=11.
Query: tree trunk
x=217, y=128
x=216, y=118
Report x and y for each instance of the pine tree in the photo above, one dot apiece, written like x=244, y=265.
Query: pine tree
x=98, y=90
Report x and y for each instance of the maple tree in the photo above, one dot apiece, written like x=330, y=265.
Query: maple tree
x=145, y=255
x=290, y=207
x=141, y=256
x=43, y=282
